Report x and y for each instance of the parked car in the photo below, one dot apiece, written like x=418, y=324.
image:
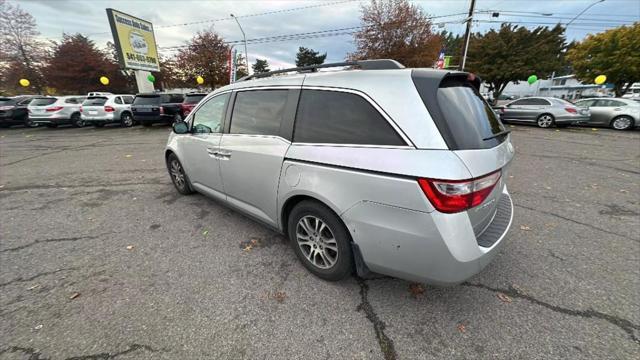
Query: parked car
x=97, y=93
x=543, y=111
x=408, y=183
x=105, y=109
x=13, y=111
x=190, y=101
x=53, y=111
x=617, y=113
x=152, y=108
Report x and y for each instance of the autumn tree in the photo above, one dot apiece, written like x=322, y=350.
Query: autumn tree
x=241, y=67
x=205, y=55
x=399, y=30
x=614, y=53
x=76, y=65
x=21, y=53
x=307, y=57
x=170, y=75
x=513, y=53
x=260, y=66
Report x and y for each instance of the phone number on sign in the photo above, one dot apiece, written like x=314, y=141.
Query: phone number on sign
x=138, y=57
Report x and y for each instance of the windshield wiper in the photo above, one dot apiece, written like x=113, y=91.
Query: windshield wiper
x=503, y=132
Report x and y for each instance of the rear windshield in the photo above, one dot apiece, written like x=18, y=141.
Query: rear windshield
x=43, y=101
x=194, y=98
x=464, y=118
x=172, y=98
x=95, y=101
x=146, y=100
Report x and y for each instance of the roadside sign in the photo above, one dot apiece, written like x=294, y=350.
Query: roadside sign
x=135, y=41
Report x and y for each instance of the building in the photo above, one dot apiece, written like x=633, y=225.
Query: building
x=568, y=87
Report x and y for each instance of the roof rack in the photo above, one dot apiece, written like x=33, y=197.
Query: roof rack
x=378, y=64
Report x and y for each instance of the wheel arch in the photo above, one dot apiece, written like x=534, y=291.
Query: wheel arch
x=295, y=199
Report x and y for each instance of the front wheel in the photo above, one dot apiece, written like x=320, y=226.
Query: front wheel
x=178, y=176
x=320, y=240
x=126, y=120
x=77, y=121
x=30, y=124
x=622, y=123
x=545, y=121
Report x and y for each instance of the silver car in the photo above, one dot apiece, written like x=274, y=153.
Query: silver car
x=618, y=113
x=408, y=183
x=104, y=109
x=543, y=111
x=53, y=111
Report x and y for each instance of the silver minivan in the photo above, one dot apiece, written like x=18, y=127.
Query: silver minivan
x=374, y=167
x=104, y=109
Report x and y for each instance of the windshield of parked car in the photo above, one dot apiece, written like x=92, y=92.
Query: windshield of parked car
x=95, y=101
x=146, y=100
x=43, y=101
x=194, y=98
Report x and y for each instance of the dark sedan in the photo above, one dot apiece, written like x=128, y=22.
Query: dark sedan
x=13, y=111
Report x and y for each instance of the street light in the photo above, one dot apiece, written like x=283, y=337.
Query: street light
x=244, y=37
x=583, y=11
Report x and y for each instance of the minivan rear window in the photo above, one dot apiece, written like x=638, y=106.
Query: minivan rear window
x=146, y=100
x=43, y=101
x=465, y=120
x=95, y=101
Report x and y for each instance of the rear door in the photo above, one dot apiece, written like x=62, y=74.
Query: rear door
x=253, y=148
x=601, y=111
x=517, y=110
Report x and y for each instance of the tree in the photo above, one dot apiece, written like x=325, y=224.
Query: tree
x=170, y=76
x=398, y=30
x=513, y=53
x=76, y=65
x=20, y=50
x=261, y=66
x=241, y=67
x=307, y=57
x=205, y=55
x=614, y=53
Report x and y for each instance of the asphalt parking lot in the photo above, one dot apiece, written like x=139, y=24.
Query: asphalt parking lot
x=101, y=258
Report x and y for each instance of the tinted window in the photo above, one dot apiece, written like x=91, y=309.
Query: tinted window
x=71, y=101
x=341, y=118
x=258, y=112
x=172, y=98
x=521, y=102
x=95, y=101
x=127, y=99
x=208, y=118
x=470, y=119
x=25, y=101
x=194, y=98
x=43, y=101
x=146, y=100
x=117, y=100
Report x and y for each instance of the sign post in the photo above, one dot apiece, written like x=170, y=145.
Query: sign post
x=136, y=46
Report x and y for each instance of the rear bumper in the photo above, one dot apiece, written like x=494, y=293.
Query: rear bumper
x=98, y=119
x=433, y=248
x=152, y=118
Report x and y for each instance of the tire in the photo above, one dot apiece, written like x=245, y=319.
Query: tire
x=126, y=120
x=146, y=123
x=622, y=123
x=98, y=124
x=178, y=176
x=545, y=121
x=77, y=121
x=30, y=124
x=316, y=244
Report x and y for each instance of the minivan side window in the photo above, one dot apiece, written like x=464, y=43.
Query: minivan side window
x=335, y=117
x=208, y=118
x=117, y=100
x=258, y=112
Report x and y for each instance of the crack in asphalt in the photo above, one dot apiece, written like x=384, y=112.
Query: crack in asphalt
x=577, y=222
x=64, y=239
x=624, y=324
x=101, y=356
x=33, y=354
x=386, y=344
x=21, y=279
x=581, y=161
x=54, y=152
x=53, y=186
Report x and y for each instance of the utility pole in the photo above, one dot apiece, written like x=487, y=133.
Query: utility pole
x=467, y=34
x=244, y=37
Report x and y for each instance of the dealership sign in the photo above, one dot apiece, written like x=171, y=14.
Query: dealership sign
x=134, y=40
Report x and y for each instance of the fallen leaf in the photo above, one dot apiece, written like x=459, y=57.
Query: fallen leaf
x=248, y=248
x=525, y=228
x=594, y=129
x=130, y=247
x=74, y=295
x=504, y=298
x=279, y=296
x=38, y=327
x=416, y=289
x=518, y=289
x=512, y=126
x=204, y=233
x=462, y=328
x=255, y=242
x=28, y=136
x=547, y=187
x=135, y=198
x=128, y=156
x=557, y=130
x=623, y=191
x=34, y=287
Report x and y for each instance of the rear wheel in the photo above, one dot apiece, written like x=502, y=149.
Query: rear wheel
x=76, y=120
x=545, y=121
x=178, y=176
x=622, y=123
x=29, y=123
x=126, y=120
x=320, y=240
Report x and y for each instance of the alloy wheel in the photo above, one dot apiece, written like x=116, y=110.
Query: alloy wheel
x=177, y=174
x=127, y=120
x=622, y=123
x=316, y=241
x=545, y=121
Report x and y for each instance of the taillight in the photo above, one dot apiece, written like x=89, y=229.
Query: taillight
x=451, y=196
x=109, y=109
x=80, y=108
x=571, y=110
x=55, y=108
x=161, y=110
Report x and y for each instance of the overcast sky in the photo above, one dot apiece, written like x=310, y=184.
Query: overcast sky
x=54, y=17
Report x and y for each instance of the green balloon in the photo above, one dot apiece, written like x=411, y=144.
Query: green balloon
x=532, y=79
x=151, y=78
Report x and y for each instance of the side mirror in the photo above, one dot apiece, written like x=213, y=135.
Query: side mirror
x=180, y=127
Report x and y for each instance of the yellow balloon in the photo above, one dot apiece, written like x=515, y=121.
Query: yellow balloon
x=200, y=80
x=104, y=80
x=24, y=82
x=600, y=79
